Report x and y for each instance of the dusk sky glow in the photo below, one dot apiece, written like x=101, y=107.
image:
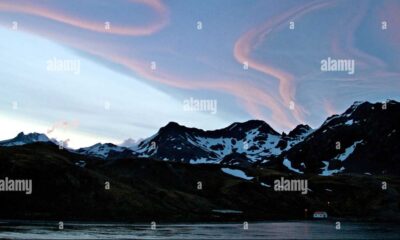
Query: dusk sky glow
x=139, y=60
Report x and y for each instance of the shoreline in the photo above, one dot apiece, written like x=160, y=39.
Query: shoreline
x=20, y=222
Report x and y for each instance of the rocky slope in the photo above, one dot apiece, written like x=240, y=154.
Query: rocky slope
x=143, y=190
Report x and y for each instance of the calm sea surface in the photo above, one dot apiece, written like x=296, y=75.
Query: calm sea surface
x=263, y=230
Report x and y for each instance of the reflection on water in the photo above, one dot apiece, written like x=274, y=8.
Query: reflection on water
x=264, y=230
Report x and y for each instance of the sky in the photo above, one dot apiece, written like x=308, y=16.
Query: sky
x=106, y=71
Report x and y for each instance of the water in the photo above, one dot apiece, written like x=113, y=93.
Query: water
x=263, y=230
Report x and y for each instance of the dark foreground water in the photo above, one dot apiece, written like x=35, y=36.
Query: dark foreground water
x=264, y=230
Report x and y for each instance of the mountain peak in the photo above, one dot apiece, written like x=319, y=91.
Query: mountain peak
x=356, y=106
x=362, y=109
x=33, y=136
x=23, y=138
x=172, y=125
x=20, y=134
x=358, y=110
x=252, y=124
x=102, y=150
x=299, y=130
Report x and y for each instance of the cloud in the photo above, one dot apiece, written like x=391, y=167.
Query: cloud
x=32, y=8
x=253, y=98
x=121, y=46
x=63, y=125
x=129, y=143
x=248, y=43
x=343, y=44
x=329, y=108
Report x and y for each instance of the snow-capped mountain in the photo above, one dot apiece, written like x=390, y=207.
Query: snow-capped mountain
x=365, y=138
x=238, y=144
x=106, y=150
x=22, y=139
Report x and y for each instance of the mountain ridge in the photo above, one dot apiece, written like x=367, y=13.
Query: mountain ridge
x=255, y=142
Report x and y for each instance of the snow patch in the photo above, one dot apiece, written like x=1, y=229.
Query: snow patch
x=348, y=151
x=326, y=172
x=202, y=161
x=288, y=164
x=265, y=185
x=236, y=173
x=349, y=122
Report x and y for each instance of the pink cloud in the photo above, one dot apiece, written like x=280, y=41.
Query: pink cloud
x=63, y=125
x=254, y=98
x=29, y=7
x=248, y=43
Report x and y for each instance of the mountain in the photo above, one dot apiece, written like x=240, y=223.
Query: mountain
x=364, y=139
x=253, y=141
x=345, y=162
x=22, y=139
x=106, y=150
x=145, y=190
x=99, y=150
x=238, y=144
